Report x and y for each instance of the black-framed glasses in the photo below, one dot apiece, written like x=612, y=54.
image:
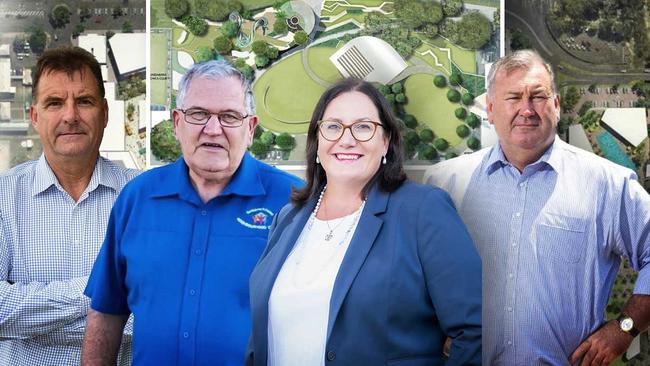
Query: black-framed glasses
x=197, y=116
x=362, y=131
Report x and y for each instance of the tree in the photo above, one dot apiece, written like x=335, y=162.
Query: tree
x=452, y=8
x=570, y=99
x=440, y=144
x=410, y=121
x=427, y=152
x=519, y=41
x=164, y=145
x=261, y=61
x=127, y=27
x=384, y=89
x=468, y=98
x=204, y=53
x=37, y=39
x=217, y=10
x=176, y=8
x=440, y=81
x=117, y=11
x=455, y=79
x=449, y=29
x=426, y=135
x=460, y=113
x=259, y=149
x=259, y=47
x=78, y=29
x=272, y=52
x=473, y=121
x=400, y=98
x=130, y=109
x=223, y=45
x=474, y=30
x=300, y=37
x=462, y=131
x=450, y=155
x=84, y=12
x=280, y=26
x=411, y=137
x=229, y=29
x=268, y=138
x=593, y=87
x=60, y=16
x=473, y=143
x=453, y=95
x=585, y=107
x=397, y=88
x=197, y=26
x=285, y=141
x=416, y=13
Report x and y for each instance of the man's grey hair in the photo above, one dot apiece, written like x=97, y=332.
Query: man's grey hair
x=216, y=69
x=521, y=59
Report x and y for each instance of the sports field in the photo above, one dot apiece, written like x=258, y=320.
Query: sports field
x=159, y=62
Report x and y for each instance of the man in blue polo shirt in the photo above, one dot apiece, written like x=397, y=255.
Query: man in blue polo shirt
x=182, y=239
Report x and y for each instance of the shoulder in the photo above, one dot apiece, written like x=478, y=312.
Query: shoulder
x=121, y=174
x=416, y=196
x=439, y=173
x=273, y=177
x=17, y=179
x=145, y=180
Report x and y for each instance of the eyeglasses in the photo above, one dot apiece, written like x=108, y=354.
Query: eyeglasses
x=362, y=131
x=198, y=116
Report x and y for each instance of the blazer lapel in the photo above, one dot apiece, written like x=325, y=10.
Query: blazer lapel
x=270, y=267
x=360, y=245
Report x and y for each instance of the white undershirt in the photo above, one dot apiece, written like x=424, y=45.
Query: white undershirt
x=300, y=299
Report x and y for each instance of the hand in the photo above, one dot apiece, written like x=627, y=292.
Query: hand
x=602, y=346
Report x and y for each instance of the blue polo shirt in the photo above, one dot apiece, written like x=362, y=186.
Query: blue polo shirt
x=182, y=266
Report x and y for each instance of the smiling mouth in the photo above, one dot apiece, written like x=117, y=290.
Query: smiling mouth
x=347, y=157
x=211, y=145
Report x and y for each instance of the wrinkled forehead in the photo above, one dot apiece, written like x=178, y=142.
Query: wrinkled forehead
x=533, y=77
x=84, y=75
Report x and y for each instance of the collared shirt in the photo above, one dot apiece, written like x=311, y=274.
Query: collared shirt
x=48, y=243
x=551, y=240
x=181, y=266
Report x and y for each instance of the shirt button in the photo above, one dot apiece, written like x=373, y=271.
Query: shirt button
x=509, y=343
x=518, y=214
x=509, y=308
x=186, y=335
x=331, y=355
x=522, y=184
x=198, y=252
x=76, y=241
x=203, y=213
x=192, y=292
x=514, y=245
x=510, y=275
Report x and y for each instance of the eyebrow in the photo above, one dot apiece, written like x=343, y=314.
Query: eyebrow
x=354, y=120
x=229, y=110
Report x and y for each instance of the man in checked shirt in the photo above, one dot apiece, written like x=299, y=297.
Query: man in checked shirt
x=53, y=215
x=551, y=223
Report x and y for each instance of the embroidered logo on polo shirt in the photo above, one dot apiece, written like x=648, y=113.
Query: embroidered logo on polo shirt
x=257, y=218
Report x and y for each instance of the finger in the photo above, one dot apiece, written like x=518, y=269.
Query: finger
x=579, y=352
x=589, y=357
x=599, y=359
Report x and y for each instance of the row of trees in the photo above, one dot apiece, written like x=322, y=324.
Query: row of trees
x=215, y=10
x=266, y=141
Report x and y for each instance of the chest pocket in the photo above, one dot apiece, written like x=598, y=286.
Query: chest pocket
x=562, y=238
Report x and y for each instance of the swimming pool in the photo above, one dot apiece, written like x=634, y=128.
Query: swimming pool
x=612, y=150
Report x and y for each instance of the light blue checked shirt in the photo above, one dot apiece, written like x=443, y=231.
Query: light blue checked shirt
x=48, y=243
x=551, y=240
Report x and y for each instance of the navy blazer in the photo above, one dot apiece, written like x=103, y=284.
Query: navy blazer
x=410, y=277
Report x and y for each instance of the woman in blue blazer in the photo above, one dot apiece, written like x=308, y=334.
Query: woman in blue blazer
x=364, y=267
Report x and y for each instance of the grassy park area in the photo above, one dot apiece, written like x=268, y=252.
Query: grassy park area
x=430, y=107
x=159, y=61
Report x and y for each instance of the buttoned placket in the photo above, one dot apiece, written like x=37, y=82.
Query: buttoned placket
x=193, y=285
x=512, y=264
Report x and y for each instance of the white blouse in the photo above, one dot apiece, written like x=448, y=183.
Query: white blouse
x=300, y=299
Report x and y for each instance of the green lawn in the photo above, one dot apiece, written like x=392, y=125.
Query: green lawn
x=492, y=3
x=319, y=62
x=430, y=107
x=158, y=17
x=286, y=96
x=442, y=56
x=159, y=59
x=193, y=42
x=257, y=4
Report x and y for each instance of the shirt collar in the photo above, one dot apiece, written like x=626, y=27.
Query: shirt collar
x=496, y=158
x=44, y=177
x=245, y=182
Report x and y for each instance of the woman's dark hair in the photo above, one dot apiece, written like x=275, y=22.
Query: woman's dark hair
x=389, y=176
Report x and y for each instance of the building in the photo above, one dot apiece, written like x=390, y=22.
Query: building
x=126, y=52
x=369, y=58
x=628, y=124
x=95, y=44
x=578, y=138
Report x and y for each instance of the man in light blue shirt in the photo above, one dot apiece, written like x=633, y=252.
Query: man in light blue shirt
x=551, y=223
x=53, y=215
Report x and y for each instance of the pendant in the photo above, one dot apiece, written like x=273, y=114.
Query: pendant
x=328, y=237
